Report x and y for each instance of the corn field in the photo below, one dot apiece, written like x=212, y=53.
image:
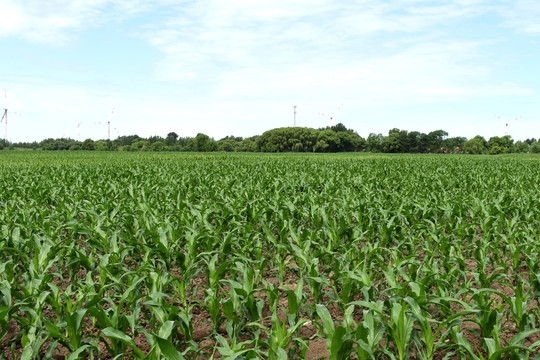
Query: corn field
x=258, y=256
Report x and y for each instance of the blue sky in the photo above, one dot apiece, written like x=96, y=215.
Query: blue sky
x=238, y=67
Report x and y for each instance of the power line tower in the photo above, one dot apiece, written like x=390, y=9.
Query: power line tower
x=294, y=115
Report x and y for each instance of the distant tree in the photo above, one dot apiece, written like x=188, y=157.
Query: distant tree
x=391, y=143
x=328, y=141
x=153, y=139
x=250, y=144
x=416, y=142
x=320, y=146
x=88, y=144
x=522, y=147
x=230, y=144
x=281, y=140
x=141, y=145
x=476, y=145
x=504, y=144
x=535, y=147
x=454, y=144
x=48, y=144
x=374, y=143
x=403, y=141
x=157, y=146
x=436, y=140
x=101, y=145
x=495, y=149
x=339, y=128
x=356, y=142
x=127, y=140
x=171, y=139
x=204, y=143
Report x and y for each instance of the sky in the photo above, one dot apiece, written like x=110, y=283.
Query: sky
x=239, y=67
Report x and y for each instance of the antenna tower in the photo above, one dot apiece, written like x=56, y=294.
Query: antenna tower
x=294, y=115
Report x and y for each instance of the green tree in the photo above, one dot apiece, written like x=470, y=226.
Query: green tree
x=522, y=147
x=101, y=145
x=127, y=140
x=476, y=145
x=171, y=138
x=230, y=144
x=495, y=149
x=339, y=128
x=331, y=139
x=391, y=143
x=250, y=144
x=505, y=143
x=141, y=145
x=153, y=139
x=436, y=140
x=158, y=146
x=454, y=144
x=88, y=144
x=374, y=143
x=204, y=143
x=320, y=146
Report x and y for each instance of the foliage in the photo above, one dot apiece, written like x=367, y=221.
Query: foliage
x=297, y=139
x=331, y=139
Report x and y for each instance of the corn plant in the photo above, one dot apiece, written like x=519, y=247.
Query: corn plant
x=169, y=255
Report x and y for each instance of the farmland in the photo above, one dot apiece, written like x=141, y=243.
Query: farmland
x=363, y=256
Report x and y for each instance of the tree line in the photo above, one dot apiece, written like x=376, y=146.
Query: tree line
x=337, y=138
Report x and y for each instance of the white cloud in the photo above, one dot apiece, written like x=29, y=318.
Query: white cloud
x=51, y=21
x=522, y=15
x=266, y=41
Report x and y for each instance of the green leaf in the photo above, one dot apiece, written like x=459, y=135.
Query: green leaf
x=118, y=335
x=168, y=350
x=328, y=323
x=76, y=354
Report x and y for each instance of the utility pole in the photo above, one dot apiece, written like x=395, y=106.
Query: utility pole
x=294, y=115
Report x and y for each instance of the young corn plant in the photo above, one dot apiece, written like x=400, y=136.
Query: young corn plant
x=368, y=336
x=432, y=334
x=339, y=340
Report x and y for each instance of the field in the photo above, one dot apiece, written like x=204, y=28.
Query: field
x=224, y=256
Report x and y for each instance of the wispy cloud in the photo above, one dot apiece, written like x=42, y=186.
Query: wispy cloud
x=377, y=52
x=51, y=21
x=522, y=15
